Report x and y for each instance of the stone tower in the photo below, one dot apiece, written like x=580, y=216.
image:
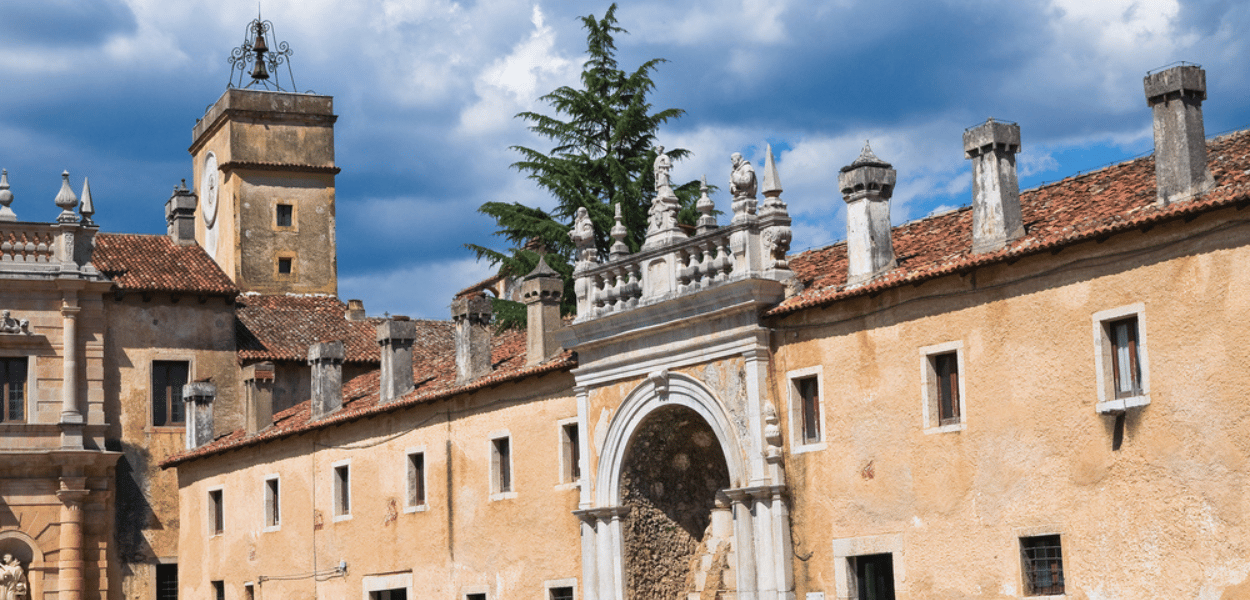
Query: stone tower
x=264, y=172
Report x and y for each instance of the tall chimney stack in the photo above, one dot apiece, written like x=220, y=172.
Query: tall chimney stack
x=471, y=316
x=258, y=396
x=198, y=396
x=326, y=359
x=1175, y=96
x=180, y=215
x=541, y=291
x=996, y=220
x=395, y=336
x=866, y=186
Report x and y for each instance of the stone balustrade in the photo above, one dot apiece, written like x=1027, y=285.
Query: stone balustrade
x=45, y=246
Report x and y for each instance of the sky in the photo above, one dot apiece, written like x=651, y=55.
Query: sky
x=426, y=92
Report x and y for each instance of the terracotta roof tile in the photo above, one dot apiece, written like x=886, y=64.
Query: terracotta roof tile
x=434, y=373
x=283, y=326
x=153, y=263
x=1118, y=198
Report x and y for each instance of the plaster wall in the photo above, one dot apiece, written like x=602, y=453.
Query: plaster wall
x=1163, y=516
x=140, y=332
x=465, y=538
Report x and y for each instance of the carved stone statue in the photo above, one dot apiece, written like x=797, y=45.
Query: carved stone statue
x=663, y=165
x=742, y=185
x=583, y=236
x=10, y=325
x=12, y=579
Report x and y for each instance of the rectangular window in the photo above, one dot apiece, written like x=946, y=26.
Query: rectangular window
x=874, y=576
x=219, y=590
x=1121, y=360
x=416, y=479
x=1125, y=363
x=398, y=594
x=1042, y=558
x=560, y=593
x=501, y=465
x=809, y=397
x=273, y=514
x=216, y=514
x=475, y=597
x=166, y=582
x=342, y=490
x=13, y=390
x=570, y=454
x=249, y=592
x=168, y=377
x=284, y=266
x=946, y=376
x=284, y=215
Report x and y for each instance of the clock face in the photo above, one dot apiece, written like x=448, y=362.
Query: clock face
x=208, y=198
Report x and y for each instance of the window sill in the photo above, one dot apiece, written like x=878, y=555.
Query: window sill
x=502, y=496
x=165, y=428
x=1120, y=405
x=569, y=485
x=416, y=509
x=953, y=427
x=346, y=517
x=809, y=447
x=271, y=529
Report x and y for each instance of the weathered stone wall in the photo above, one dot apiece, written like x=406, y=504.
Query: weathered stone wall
x=673, y=470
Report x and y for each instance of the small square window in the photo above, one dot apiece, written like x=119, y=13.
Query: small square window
x=874, y=576
x=167, y=581
x=560, y=593
x=216, y=513
x=1042, y=558
x=342, y=491
x=284, y=215
x=570, y=454
x=501, y=465
x=273, y=514
x=943, y=387
x=219, y=590
x=416, y=479
x=284, y=266
x=1120, y=359
x=475, y=597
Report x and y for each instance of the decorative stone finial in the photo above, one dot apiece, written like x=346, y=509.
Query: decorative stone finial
x=772, y=184
x=66, y=200
x=742, y=185
x=619, y=248
x=88, y=208
x=6, y=198
x=705, y=206
x=662, y=217
x=866, y=159
x=867, y=185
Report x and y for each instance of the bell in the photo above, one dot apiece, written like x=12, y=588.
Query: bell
x=260, y=46
x=260, y=72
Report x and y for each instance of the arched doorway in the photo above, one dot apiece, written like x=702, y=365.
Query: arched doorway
x=673, y=471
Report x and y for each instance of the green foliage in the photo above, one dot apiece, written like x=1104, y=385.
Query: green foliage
x=604, y=137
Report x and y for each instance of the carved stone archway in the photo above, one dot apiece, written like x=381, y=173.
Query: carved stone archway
x=26, y=550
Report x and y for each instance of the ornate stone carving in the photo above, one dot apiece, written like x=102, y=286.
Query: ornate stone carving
x=12, y=579
x=10, y=325
x=705, y=206
x=659, y=379
x=6, y=198
x=662, y=217
x=67, y=200
x=772, y=431
x=742, y=185
x=661, y=168
x=583, y=235
x=618, y=233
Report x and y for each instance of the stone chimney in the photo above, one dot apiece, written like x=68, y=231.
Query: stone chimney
x=472, y=315
x=180, y=215
x=355, y=310
x=541, y=291
x=198, y=396
x=867, y=185
x=326, y=359
x=395, y=336
x=996, y=220
x=1175, y=96
x=258, y=396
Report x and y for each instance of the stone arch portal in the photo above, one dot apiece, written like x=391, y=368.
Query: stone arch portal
x=673, y=507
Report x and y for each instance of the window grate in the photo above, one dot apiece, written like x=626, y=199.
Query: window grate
x=167, y=582
x=1043, y=565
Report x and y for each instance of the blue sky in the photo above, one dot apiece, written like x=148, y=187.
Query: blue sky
x=426, y=91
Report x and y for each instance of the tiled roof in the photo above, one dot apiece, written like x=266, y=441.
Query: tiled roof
x=283, y=326
x=434, y=373
x=1090, y=206
x=153, y=263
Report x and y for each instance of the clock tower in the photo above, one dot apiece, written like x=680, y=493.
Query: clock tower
x=264, y=170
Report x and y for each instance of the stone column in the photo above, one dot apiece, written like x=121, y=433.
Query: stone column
x=71, y=418
x=603, y=552
x=744, y=544
x=70, y=555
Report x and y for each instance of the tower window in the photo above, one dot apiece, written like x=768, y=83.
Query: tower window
x=284, y=266
x=285, y=215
